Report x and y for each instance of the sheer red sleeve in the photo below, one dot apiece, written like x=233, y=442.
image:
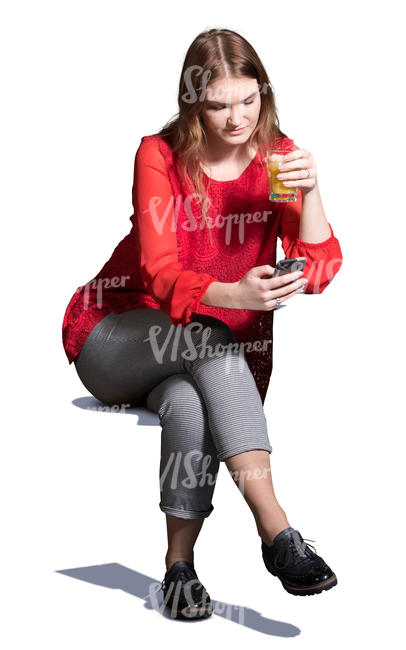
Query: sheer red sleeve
x=177, y=291
x=324, y=259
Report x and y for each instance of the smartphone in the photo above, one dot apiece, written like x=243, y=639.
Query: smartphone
x=289, y=265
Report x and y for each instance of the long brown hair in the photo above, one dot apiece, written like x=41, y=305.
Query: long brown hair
x=216, y=53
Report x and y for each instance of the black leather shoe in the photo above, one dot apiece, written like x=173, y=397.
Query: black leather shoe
x=301, y=571
x=183, y=592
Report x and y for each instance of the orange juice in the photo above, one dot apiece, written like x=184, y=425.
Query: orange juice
x=277, y=190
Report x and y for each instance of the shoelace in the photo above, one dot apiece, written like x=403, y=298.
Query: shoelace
x=300, y=551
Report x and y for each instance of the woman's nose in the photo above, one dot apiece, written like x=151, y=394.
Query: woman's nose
x=234, y=120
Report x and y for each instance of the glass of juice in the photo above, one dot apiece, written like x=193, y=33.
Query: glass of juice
x=277, y=190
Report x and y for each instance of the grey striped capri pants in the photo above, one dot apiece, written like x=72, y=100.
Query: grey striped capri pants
x=196, y=378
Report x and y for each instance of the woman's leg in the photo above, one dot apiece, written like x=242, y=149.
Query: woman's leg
x=251, y=472
x=189, y=465
x=182, y=535
x=117, y=367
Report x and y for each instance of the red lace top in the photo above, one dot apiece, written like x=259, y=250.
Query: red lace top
x=167, y=261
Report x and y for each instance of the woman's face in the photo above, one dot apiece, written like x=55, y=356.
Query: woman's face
x=231, y=104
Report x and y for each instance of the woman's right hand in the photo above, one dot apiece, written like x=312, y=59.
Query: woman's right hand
x=256, y=290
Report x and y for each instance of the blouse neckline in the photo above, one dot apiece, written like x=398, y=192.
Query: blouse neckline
x=233, y=180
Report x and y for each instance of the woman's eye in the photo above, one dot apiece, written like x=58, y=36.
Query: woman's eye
x=220, y=108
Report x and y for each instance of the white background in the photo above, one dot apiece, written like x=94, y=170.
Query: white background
x=82, y=83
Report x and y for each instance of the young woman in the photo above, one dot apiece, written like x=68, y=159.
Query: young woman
x=179, y=319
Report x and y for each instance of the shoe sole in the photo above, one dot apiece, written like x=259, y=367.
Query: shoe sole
x=306, y=591
x=311, y=591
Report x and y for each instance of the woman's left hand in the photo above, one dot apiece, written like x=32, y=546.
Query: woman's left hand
x=305, y=171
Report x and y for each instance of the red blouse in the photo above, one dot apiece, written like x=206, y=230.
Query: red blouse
x=167, y=260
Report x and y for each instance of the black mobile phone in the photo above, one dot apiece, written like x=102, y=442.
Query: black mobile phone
x=289, y=265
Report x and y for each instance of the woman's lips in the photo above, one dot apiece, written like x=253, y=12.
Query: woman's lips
x=235, y=131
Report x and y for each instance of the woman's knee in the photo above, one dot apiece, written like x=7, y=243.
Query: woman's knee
x=177, y=397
